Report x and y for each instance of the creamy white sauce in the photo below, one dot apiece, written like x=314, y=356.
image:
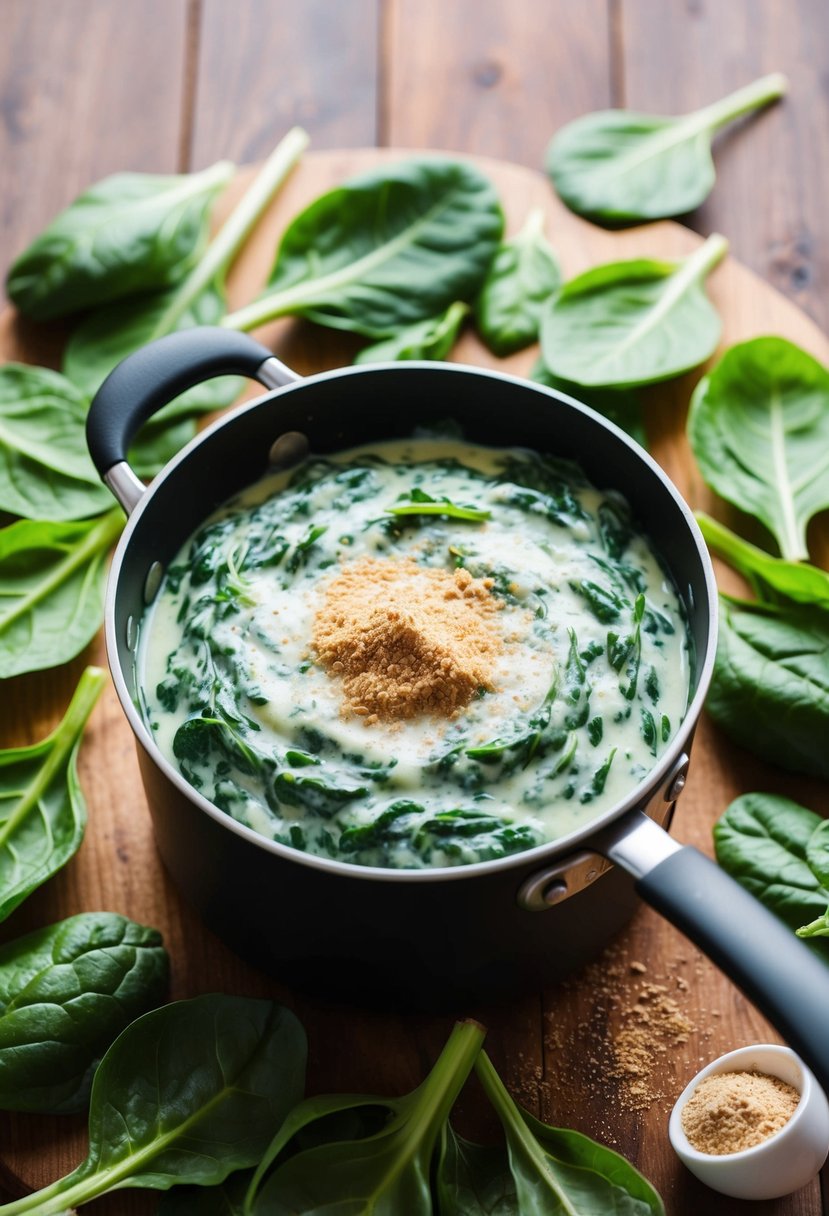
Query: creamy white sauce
x=561, y=562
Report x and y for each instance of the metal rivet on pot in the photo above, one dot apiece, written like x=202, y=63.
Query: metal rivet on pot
x=548, y=887
x=153, y=581
x=288, y=449
x=131, y=633
x=677, y=779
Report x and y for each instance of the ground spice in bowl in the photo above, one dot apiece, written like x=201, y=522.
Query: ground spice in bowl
x=732, y=1111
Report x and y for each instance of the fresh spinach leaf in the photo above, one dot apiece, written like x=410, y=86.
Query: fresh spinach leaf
x=553, y=1170
x=108, y=335
x=391, y=247
x=228, y=1199
x=629, y=323
x=770, y=577
x=620, y=406
x=52, y=578
x=817, y=858
x=432, y=338
x=619, y=166
x=66, y=992
x=42, y=809
x=130, y=233
x=770, y=687
x=421, y=503
x=759, y=430
x=523, y=274
x=45, y=469
x=188, y=1093
x=762, y=840
x=384, y=1173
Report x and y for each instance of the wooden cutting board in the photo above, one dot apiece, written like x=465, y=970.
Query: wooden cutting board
x=606, y=1052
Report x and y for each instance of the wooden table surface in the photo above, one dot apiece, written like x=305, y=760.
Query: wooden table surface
x=89, y=87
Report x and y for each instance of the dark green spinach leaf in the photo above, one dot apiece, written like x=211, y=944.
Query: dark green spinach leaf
x=619, y=166
x=770, y=577
x=386, y=1173
x=45, y=468
x=759, y=429
x=553, y=1170
x=389, y=248
x=763, y=840
x=52, y=577
x=66, y=992
x=188, y=1093
x=42, y=809
x=432, y=338
x=629, y=323
x=127, y=234
x=109, y=335
x=523, y=274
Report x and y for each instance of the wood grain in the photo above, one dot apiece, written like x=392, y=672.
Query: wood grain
x=267, y=65
x=494, y=79
x=67, y=71
x=558, y=1049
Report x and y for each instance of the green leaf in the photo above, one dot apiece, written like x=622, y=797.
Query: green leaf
x=817, y=853
x=109, y=335
x=228, y=1199
x=391, y=247
x=762, y=840
x=620, y=406
x=421, y=503
x=618, y=166
x=42, y=809
x=52, y=579
x=66, y=992
x=759, y=429
x=188, y=1093
x=629, y=323
x=473, y=1179
x=429, y=339
x=558, y=1171
x=45, y=469
x=523, y=274
x=130, y=233
x=387, y=1173
x=769, y=576
x=770, y=687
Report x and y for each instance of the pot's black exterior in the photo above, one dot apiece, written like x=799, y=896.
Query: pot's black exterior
x=426, y=938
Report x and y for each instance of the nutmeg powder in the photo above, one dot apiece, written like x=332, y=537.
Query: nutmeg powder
x=732, y=1111
x=407, y=639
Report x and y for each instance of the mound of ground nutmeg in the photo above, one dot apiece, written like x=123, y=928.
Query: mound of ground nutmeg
x=407, y=639
x=732, y=1111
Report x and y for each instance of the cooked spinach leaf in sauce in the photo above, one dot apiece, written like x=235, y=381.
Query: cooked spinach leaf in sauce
x=349, y=670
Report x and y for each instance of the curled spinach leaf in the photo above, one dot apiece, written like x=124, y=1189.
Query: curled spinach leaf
x=618, y=166
x=109, y=335
x=432, y=338
x=129, y=233
x=544, y=1169
x=42, y=809
x=770, y=688
x=45, y=468
x=769, y=576
x=764, y=841
x=387, y=1172
x=421, y=503
x=759, y=429
x=66, y=992
x=188, y=1093
x=52, y=578
x=629, y=323
x=523, y=274
x=386, y=249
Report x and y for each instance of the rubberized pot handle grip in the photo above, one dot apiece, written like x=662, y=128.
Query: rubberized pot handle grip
x=147, y=380
x=776, y=970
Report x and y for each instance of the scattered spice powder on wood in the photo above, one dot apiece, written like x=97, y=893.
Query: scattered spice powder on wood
x=732, y=1111
x=407, y=639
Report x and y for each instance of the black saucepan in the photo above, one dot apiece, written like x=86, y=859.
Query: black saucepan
x=443, y=936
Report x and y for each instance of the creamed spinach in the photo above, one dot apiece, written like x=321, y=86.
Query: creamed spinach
x=588, y=688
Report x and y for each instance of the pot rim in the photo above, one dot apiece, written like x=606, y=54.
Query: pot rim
x=538, y=855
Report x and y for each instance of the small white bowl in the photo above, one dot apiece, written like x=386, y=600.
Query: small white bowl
x=785, y=1161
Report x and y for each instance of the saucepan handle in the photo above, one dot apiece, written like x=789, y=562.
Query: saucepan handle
x=776, y=970
x=148, y=379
